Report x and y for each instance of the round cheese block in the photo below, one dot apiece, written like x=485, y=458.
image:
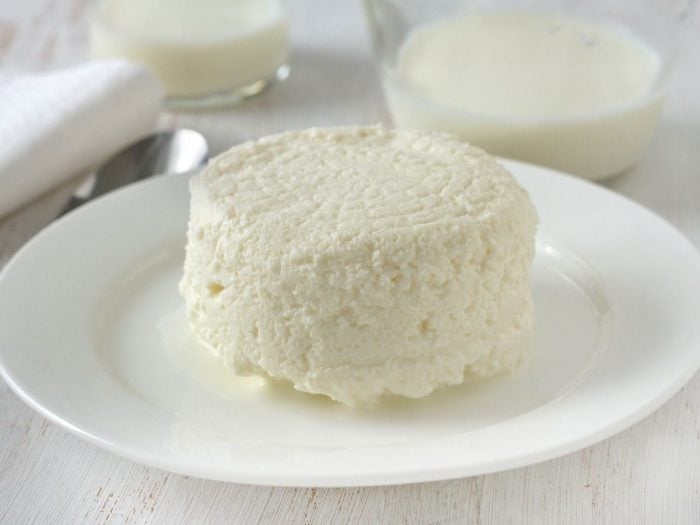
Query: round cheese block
x=361, y=261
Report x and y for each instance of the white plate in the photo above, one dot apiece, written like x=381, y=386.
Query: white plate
x=93, y=337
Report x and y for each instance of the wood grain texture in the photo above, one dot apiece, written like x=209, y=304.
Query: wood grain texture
x=647, y=474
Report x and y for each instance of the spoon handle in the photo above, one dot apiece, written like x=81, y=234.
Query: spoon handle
x=72, y=203
x=166, y=152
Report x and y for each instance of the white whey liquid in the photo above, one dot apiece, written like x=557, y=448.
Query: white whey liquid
x=196, y=47
x=543, y=88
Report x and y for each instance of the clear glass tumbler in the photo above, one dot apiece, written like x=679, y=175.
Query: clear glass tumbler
x=573, y=85
x=206, y=52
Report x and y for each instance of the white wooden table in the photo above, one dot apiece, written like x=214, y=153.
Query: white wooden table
x=649, y=473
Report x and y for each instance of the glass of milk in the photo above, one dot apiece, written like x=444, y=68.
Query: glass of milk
x=575, y=86
x=206, y=52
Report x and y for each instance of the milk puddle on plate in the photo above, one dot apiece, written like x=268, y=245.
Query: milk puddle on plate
x=142, y=339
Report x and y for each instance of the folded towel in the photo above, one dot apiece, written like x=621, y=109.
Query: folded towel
x=57, y=124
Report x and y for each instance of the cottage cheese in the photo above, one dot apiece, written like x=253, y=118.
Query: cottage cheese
x=361, y=261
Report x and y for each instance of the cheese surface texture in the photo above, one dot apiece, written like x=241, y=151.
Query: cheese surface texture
x=361, y=261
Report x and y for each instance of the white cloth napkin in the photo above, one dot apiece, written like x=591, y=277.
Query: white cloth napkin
x=57, y=124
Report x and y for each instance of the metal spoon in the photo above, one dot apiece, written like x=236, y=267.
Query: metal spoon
x=163, y=152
